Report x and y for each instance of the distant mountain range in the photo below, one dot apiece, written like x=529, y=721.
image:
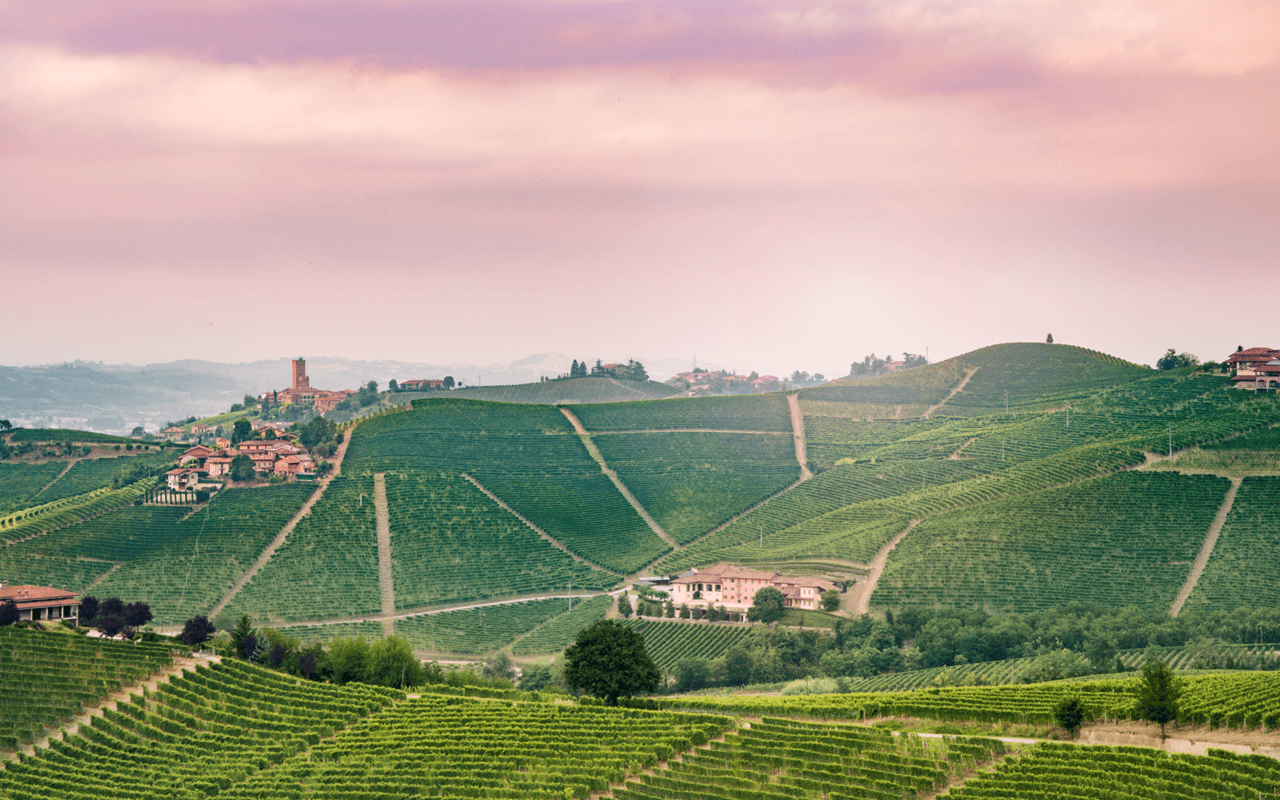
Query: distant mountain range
x=113, y=398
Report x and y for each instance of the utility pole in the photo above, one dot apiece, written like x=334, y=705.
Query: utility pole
x=1006, y=401
x=570, y=595
x=762, y=535
x=1170, y=440
x=1068, y=415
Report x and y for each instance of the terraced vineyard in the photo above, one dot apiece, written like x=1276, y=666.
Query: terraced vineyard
x=669, y=643
x=1128, y=772
x=477, y=631
x=1243, y=566
x=455, y=747
x=64, y=435
x=568, y=390
x=46, y=517
x=530, y=457
x=19, y=483
x=1124, y=540
x=451, y=543
x=196, y=735
x=691, y=482
x=752, y=412
x=328, y=567
x=92, y=473
x=47, y=678
x=783, y=758
x=180, y=566
x=559, y=632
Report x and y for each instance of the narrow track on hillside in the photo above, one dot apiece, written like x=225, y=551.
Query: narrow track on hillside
x=797, y=433
x=56, y=478
x=585, y=436
x=553, y=540
x=862, y=591
x=278, y=541
x=1206, y=548
x=444, y=609
x=117, y=565
x=963, y=383
x=734, y=431
x=386, y=582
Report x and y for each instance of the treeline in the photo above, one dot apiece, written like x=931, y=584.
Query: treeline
x=631, y=371
x=1078, y=639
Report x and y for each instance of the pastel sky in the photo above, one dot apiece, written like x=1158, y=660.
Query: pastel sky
x=772, y=184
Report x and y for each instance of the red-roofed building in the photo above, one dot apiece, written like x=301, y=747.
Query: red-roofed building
x=42, y=602
x=1256, y=368
x=735, y=588
x=198, y=453
x=181, y=480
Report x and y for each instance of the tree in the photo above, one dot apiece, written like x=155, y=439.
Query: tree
x=242, y=630
x=110, y=618
x=448, y=381
x=241, y=468
x=391, y=662
x=137, y=614
x=535, y=678
x=1069, y=713
x=347, y=659
x=624, y=606
x=1174, y=360
x=88, y=609
x=608, y=660
x=138, y=430
x=1049, y=340
x=5, y=424
x=830, y=600
x=241, y=430
x=9, y=612
x=393, y=386
x=1158, y=695
x=198, y=630
x=692, y=674
x=768, y=606
x=738, y=665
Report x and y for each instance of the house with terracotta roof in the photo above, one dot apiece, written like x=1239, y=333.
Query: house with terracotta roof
x=197, y=454
x=42, y=602
x=1256, y=368
x=735, y=588
x=180, y=480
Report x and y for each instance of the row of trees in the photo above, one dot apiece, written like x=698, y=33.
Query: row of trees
x=631, y=371
x=871, y=365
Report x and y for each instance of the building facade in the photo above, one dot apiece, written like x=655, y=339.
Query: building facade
x=37, y=603
x=735, y=588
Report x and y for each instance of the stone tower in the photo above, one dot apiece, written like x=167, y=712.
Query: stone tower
x=300, y=380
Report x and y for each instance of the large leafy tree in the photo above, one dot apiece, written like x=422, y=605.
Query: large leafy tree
x=609, y=660
x=242, y=468
x=1158, y=695
x=768, y=606
x=9, y=612
x=198, y=630
x=1069, y=713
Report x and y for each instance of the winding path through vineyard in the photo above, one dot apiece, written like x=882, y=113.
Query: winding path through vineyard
x=861, y=599
x=386, y=584
x=1206, y=549
x=613, y=476
x=797, y=431
x=963, y=382
x=56, y=478
x=278, y=541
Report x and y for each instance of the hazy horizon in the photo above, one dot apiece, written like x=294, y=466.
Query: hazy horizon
x=771, y=185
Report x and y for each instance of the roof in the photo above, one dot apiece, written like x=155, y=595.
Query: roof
x=24, y=594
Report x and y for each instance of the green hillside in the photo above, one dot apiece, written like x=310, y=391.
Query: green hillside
x=556, y=392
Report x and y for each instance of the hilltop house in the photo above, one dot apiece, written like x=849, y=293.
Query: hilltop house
x=735, y=588
x=42, y=602
x=1257, y=368
x=302, y=393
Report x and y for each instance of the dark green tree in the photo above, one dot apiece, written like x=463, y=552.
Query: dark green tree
x=392, y=385
x=9, y=612
x=241, y=468
x=448, y=382
x=1049, y=340
x=738, y=665
x=241, y=430
x=1069, y=713
x=391, y=662
x=88, y=609
x=768, y=606
x=198, y=630
x=1158, y=695
x=608, y=660
x=137, y=614
x=692, y=674
x=830, y=600
x=347, y=660
x=624, y=606
x=242, y=631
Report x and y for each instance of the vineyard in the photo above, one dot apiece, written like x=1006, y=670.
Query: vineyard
x=47, y=517
x=1243, y=567
x=179, y=566
x=567, y=390
x=559, y=632
x=1124, y=540
x=752, y=412
x=477, y=631
x=20, y=483
x=691, y=482
x=1125, y=772
x=92, y=473
x=64, y=436
x=785, y=759
x=46, y=679
x=328, y=567
x=451, y=543
x=669, y=643
x=195, y=735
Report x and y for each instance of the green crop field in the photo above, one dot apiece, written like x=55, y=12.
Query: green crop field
x=1243, y=567
x=1124, y=540
x=567, y=390
x=63, y=435
x=669, y=643
x=451, y=543
x=45, y=518
x=19, y=483
x=752, y=412
x=45, y=679
x=559, y=632
x=93, y=473
x=692, y=482
x=328, y=567
x=477, y=631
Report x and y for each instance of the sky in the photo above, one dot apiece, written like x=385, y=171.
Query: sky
x=771, y=185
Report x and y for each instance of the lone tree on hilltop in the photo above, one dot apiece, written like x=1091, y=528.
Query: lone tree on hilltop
x=1174, y=360
x=1069, y=713
x=198, y=630
x=1048, y=339
x=609, y=661
x=1158, y=695
x=768, y=606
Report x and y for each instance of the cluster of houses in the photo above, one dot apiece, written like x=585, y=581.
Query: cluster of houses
x=701, y=382
x=1257, y=368
x=282, y=455
x=735, y=588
